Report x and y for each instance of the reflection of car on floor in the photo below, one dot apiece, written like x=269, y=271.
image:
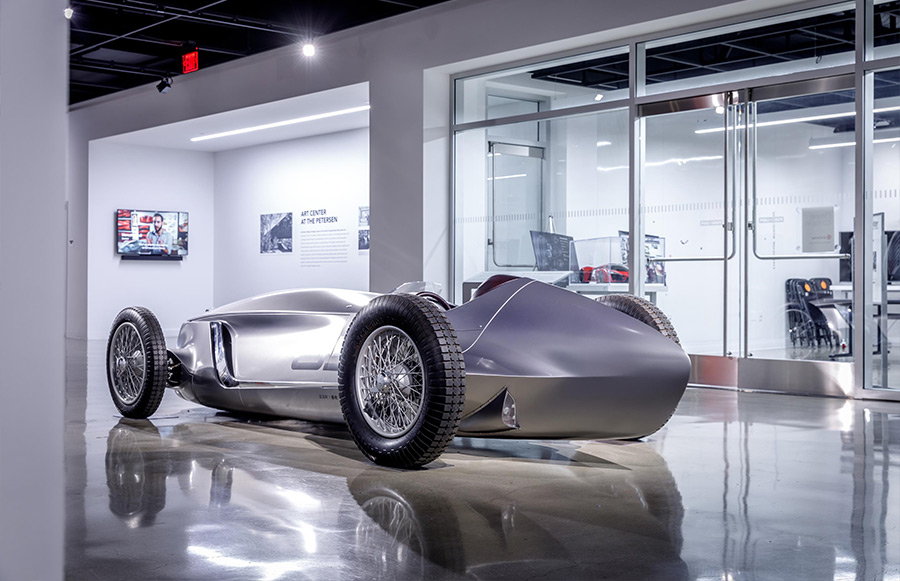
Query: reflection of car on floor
x=483, y=529
x=407, y=371
x=466, y=522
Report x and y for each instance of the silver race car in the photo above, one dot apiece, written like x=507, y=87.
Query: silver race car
x=408, y=371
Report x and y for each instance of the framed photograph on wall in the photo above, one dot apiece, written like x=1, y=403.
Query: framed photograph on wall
x=276, y=233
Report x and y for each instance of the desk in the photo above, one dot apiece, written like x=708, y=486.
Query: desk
x=844, y=308
x=893, y=298
x=606, y=288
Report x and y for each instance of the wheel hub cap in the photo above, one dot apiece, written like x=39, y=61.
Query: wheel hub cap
x=390, y=382
x=127, y=363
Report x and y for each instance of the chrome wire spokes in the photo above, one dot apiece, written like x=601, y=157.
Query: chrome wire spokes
x=127, y=363
x=390, y=382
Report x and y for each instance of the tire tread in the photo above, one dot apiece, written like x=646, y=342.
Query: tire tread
x=644, y=311
x=444, y=367
x=154, y=343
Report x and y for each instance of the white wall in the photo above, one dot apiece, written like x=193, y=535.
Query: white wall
x=328, y=172
x=34, y=49
x=146, y=178
x=225, y=194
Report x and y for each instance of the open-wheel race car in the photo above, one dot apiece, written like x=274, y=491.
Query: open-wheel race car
x=408, y=371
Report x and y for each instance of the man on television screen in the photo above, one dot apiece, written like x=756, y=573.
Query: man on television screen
x=159, y=239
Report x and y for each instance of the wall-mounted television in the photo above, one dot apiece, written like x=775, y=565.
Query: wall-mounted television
x=151, y=234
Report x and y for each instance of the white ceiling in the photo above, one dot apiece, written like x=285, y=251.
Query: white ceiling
x=178, y=135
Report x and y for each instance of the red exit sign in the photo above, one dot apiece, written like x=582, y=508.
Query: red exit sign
x=190, y=62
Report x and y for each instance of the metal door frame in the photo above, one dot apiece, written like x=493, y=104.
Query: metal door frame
x=529, y=150
x=743, y=371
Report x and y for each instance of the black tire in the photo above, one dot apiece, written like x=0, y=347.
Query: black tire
x=136, y=364
x=642, y=310
x=426, y=381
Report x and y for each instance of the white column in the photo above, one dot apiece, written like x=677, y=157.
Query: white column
x=33, y=136
x=395, y=174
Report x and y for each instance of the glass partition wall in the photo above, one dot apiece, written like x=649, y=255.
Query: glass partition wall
x=885, y=143
x=731, y=153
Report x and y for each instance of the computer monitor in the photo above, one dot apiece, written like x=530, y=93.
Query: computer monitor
x=551, y=251
x=892, y=250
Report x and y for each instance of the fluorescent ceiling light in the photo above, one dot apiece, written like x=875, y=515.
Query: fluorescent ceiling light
x=683, y=160
x=282, y=123
x=799, y=120
x=598, y=97
x=852, y=143
x=675, y=160
x=518, y=175
x=602, y=143
x=832, y=145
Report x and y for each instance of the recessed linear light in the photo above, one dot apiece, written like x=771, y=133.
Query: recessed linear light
x=603, y=143
x=674, y=160
x=517, y=175
x=852, y=143
x=282, y=123
x=799, y=120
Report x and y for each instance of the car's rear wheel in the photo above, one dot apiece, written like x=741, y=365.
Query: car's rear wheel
x=136, y=364
x=642, y=310
x=402, y=381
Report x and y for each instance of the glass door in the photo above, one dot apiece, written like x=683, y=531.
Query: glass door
x=885, y=188
x=799, y=229
x=757, y=211
x=687, y=175
x=516, y=186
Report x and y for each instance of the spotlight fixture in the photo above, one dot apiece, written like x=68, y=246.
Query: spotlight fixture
x=309, y=49
x=164, y=85
x=68, y=12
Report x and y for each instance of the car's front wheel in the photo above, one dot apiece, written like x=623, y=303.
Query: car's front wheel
x=402, y=381
x=136, y=365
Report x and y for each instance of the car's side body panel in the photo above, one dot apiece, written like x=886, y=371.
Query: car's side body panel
x=574, y=368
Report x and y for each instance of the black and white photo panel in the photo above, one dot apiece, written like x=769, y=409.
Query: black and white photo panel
x=276, y=233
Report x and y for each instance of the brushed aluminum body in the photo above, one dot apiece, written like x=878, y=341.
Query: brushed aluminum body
x=574, y=368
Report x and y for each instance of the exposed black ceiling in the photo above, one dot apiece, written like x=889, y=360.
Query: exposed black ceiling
x=813, y=37
x=119, y=44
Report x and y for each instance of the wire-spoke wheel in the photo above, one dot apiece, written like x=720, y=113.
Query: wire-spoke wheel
x=390, y=382
x=402, y=381
x=136, y=362
x=127, y=360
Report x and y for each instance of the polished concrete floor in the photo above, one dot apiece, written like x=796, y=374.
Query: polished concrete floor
x=737, y=486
